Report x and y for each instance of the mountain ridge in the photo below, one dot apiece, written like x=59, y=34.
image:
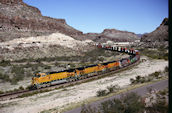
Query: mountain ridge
x=160, y=34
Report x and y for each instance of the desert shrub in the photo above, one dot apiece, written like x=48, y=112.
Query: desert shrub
x=101, y=59
x=5, y=63
x=166, y=69
x=163, y=92
x=29, y=87
x=112, y=88
x=28, y=65
x=72, y=65
x=17, y=70
x=21, y=88
x=15, y=90
x=14, y=81
x=149, y=79
x=34, y=67
x=132, y=81
x=47, y=67
x=101, y=93
x=138, y=79
x=4, y=77
x=38, y=60
x=1, y=92
x=56, y=64
x=155, y=74
x=142, y=80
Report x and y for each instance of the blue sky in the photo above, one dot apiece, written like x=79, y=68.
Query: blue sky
x=139, y=16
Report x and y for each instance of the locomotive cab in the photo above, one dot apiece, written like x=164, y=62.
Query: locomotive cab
x=36, y=77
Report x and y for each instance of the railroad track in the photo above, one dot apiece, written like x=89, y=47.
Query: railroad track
x=17, y=94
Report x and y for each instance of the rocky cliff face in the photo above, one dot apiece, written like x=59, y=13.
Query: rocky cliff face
x=160, y=34
x=18, y=19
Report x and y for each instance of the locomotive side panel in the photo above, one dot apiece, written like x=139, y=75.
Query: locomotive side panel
x=90, y=69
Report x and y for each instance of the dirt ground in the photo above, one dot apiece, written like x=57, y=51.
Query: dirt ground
x=59, y=98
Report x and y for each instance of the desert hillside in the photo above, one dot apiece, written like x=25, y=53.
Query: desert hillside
x=160, y=34
x=18, y=19
x=53, y=45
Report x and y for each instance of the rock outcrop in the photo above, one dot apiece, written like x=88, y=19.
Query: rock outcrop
x=160, y=34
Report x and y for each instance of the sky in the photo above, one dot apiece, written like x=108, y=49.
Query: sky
x=138, y=16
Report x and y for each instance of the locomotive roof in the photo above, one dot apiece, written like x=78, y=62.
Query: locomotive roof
x=91, y=65
x=69, y=70
x=108, y=62
x=81, y=68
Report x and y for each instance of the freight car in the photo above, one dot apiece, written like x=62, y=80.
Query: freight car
x=51, y=78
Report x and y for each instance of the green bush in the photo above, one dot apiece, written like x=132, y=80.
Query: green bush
x=142, y=80
x=138, y=79
x=29, y=87
x=47, y=67
x=21, y=88
x=1, y=92
x=5, y=63
x=17, y=70
x=56, y=64
x=101, y=59
x=112, y=88
x=4, y=77
x=101, y=93
x=155, y=74
x=166, y=69
x=13, y=81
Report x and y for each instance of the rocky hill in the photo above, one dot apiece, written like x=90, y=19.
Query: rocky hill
x=160, y=34
x=112, y=35
x=18, y=19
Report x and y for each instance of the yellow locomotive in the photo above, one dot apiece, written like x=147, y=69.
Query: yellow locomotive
x=50, y=78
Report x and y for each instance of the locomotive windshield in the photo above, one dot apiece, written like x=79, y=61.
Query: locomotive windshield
x=37, y=75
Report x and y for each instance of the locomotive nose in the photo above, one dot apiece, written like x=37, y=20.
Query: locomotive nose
x=33, y=80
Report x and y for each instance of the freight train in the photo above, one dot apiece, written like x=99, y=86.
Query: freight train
x=50, y=78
